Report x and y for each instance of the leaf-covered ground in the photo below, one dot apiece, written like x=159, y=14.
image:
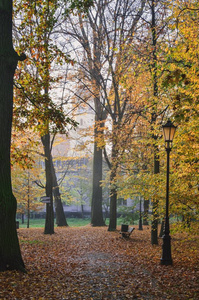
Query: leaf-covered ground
x=92, y=263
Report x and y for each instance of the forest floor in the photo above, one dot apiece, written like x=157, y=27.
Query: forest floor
x=92, y=263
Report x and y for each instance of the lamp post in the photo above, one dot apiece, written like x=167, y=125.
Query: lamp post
x=168, y=131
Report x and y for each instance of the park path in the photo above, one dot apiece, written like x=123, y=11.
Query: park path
x=110, y=270
x=91, y=263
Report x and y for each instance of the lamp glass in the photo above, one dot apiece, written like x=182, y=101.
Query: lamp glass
x=169, y=131
x=172, y=133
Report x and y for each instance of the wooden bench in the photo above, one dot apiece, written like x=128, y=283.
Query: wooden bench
x=126, y=231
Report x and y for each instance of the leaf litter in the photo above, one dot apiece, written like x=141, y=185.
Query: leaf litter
x=92, y=263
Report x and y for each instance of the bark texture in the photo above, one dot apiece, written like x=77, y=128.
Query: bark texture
x=113, y=191
x=10, y=254
x=49, y=224
x=154, y=225
x=60, y=216
x=146, y=212
x=96, y=213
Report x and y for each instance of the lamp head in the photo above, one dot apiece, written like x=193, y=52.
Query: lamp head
x=169, y=132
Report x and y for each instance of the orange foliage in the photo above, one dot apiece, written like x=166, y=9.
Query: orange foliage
x=92, y=263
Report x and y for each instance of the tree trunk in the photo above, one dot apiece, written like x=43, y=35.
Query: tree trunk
x=10, y=254
x=154, y=225
x=28, y=212
x=162, y=229
x=22, y=218
x=28, y=206
x=60, y=216
x=96, y=205
x=49, y=223
x=113, y=210
x=113, y=192
x=146, y=212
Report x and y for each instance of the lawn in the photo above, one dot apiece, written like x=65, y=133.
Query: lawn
x=72, y=222
x=91, y=263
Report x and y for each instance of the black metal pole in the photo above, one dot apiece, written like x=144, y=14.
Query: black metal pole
x=140, y=219
x=166, y=246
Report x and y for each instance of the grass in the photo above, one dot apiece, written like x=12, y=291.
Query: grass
x=37, y=223
x=72, y=222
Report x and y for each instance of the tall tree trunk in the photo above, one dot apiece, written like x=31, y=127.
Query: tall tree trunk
x=154, y=227
x=60, y=216
x=113, y=192
x=162, y=229
x=22, y=218
x=146, y=212
x=96, y=204
x=10, y=254
x=49, y=223
x=113, y=210
x=28, y=206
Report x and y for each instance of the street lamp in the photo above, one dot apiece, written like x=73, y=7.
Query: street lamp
x=168, y=131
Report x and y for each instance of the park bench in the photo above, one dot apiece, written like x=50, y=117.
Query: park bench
x=126, y=230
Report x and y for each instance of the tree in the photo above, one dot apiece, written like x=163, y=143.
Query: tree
x=154, y=115
x=60, y=216
x=24, y=153
x=182, y=81
x=36, y=29
x=80, y=185
x=102, y=34
x=10, y=254
x=27, y=195
x=155, y=24
x=175, y=74
x=36, y=33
